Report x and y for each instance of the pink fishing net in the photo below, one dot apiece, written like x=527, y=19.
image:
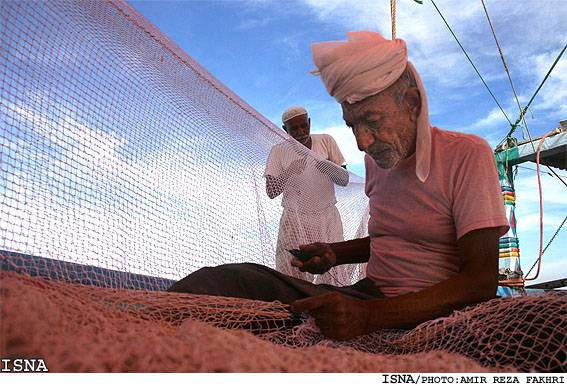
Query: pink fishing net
x=77, y=328
x=126, y=166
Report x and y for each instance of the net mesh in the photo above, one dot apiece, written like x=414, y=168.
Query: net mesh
x=80, y=328
x=126, y=166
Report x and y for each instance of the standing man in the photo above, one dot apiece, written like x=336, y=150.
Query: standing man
x=307, y=183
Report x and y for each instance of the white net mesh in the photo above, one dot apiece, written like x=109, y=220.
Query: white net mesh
x=125, y=166
x=119, y=151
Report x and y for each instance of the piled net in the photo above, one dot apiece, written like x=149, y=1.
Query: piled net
x=126, y=166
x=81, y=328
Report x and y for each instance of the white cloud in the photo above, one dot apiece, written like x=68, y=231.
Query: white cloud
x=528, y=205
x=165, y=214
x=485, y=127
x=255, y=23
x=554, y=92
x=527, y=187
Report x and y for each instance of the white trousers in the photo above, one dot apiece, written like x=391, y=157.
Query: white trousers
x=301, y=228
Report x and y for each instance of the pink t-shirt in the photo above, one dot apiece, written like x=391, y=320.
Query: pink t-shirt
x=414, y=226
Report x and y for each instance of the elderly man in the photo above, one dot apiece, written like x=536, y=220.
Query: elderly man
x=436, y=210
x=307, y=183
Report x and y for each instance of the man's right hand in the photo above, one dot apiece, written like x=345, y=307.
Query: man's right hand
x=323, y=258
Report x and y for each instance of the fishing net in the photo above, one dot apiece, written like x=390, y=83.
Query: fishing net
x=79, y=328
x=126, y=166
x=120, y=152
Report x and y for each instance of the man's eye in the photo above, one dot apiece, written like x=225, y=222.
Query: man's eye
x=375, y=123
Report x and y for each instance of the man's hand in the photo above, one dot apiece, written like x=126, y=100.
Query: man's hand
x=323, y=258
x=338, y=316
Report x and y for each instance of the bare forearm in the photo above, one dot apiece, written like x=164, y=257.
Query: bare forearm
x=342, y=317
x=408, y=311
x=352, y=251
x=275, y=185
x=476, y=282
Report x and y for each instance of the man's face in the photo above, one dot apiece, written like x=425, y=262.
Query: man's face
x=383, y=129
x=298, y=127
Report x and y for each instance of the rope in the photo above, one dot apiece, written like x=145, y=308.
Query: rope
x=507, y=70
x=549, y=174
x=540, y=206
x=523, y=112
x=522, y=117
x=557, y=175
x=471, y=62
x=550, y=240
x=393, y=14
x=533, y=97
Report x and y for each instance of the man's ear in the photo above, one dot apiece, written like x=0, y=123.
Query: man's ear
x=413, y=102
x=284, y=129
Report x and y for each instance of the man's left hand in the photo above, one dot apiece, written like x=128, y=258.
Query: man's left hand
x=338, y=316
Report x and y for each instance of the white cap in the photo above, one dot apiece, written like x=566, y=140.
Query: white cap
x=293, y=112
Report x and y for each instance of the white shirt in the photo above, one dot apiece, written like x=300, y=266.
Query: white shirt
x=310, y=191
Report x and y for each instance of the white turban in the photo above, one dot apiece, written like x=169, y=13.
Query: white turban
x=365, y=65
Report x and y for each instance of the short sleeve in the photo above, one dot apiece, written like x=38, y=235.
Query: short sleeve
x=335, y=154
x=477, y=195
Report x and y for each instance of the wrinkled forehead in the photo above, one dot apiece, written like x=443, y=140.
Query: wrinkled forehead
x=379, y=103
x=296, y=121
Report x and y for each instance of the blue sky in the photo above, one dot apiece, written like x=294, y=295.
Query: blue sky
x=57, y=155
x=260, y=50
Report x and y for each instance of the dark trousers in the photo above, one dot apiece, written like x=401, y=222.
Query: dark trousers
x=257, y=282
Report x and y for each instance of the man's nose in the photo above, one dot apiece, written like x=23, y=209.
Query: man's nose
x=363, y=139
